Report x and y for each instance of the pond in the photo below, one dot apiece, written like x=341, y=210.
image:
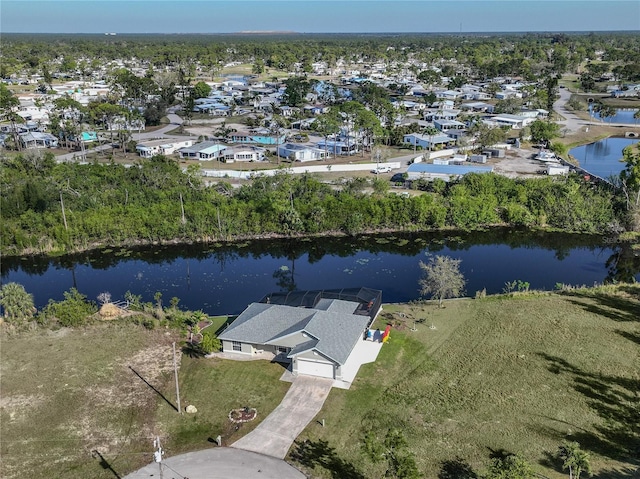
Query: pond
x=223, y=279
x=623, y=115
x=602, y=158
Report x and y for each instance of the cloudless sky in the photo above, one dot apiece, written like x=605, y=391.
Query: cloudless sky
x=311, y=16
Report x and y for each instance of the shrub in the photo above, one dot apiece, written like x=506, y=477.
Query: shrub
x=72, y=311
x=210, y=342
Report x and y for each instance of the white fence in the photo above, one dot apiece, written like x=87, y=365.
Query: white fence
x=300, y=169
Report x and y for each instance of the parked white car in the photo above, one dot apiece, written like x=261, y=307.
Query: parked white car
x=381, y=169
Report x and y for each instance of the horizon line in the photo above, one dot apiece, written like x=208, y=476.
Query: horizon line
x=293, y=32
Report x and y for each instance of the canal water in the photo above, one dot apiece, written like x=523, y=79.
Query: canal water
x=623, y=115
x=223, y=279
x=602, y=158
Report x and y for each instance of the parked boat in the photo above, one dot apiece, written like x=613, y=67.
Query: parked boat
x=547, y=157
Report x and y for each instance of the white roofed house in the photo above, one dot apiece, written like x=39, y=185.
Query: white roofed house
x=37, y=139
x=429, y=142
x=319, y=333
x=444, y=125
x=147, y=149
x=516, y=122
x=243, y=153
x=204, y=151
x=295, y=152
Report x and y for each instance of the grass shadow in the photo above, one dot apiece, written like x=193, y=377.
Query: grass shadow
x=318, y=453
x=616, y=400
x=154, y=389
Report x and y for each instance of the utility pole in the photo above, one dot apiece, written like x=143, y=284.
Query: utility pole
x=175, y=371
x=158, y=453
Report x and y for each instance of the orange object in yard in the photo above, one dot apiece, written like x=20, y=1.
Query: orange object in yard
x=385, y=335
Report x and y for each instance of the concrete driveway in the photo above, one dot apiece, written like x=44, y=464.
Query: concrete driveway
x=275, y=434
x=219, y=463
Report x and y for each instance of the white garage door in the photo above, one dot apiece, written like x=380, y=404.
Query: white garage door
x=313, y=368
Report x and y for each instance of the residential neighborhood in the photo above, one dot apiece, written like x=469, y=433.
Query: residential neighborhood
x=230, y=252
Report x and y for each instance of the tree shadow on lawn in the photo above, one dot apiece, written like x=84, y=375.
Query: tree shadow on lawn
x=318, y=453
x=635, y=337
x=616, y=400
x=456, y=468
x=616, y=308
x=623, y=473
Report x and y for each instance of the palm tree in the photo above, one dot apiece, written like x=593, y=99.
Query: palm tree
x=275, y=129
x=574, y=459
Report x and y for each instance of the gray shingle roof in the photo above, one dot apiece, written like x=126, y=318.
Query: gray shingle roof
x=337, y=330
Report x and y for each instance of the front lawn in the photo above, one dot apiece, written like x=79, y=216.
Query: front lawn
x=498, y=374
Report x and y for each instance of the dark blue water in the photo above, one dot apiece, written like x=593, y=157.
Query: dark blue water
x=602, y=158
x=225, y=279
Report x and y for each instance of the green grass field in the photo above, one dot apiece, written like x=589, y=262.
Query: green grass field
x=517, y=374
x=71, y=405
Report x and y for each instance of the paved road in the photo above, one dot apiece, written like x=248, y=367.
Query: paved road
x=219, y=463
x=275, y=434
x=571, y=122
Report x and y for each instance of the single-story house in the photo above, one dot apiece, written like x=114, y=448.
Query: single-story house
x=478, y=106
x=314, y=331
x=206, y=150
x=316, y=109
x=446, y=125
x=447, y=94
x=339, y=147
x=429, y=171
x=429, y=142
x=297, y=152
x=516, y=122
x=432, y=114
x=147, y=149
x=243, y=153
x=37, y=139
x=628, y=91
x=213, y=108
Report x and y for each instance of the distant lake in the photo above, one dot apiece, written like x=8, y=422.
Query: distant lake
x=602, y=158
x=221, y=279
x=623, y=115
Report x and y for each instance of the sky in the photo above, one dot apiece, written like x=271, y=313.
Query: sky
x=317, y=16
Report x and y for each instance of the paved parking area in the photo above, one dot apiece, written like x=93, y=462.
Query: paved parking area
x=364, y=352
x=219, y=463
x=275, y=434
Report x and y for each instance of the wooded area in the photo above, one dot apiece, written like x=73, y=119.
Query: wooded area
x=49, y=207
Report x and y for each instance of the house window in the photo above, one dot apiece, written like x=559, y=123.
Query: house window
x=236, y=345
x=283, y=350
